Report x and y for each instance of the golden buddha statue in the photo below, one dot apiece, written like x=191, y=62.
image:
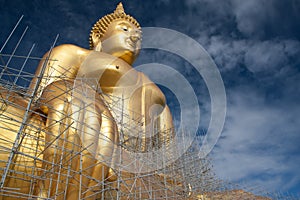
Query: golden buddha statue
x=69, y=140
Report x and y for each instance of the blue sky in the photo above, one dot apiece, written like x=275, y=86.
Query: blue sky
x=256, y=46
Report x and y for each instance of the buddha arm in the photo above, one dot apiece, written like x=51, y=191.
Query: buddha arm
x=80, y=136
x=150, y=102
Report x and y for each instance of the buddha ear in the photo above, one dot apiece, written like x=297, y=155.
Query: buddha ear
x=96, y=42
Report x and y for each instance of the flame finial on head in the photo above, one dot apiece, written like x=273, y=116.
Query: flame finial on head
x=119, y=9
x=101, y=25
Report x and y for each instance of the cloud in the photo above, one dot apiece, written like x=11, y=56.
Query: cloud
x=270, y=55
x=264, y=18
x=259, y=19
x=227, y=53
x=273, y=59
x=258, y=35
x=251, y=15
x=259, y=142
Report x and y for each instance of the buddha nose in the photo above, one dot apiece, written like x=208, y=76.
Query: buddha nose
x=135, y=35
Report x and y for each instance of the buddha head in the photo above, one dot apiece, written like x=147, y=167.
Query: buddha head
x=117, y=34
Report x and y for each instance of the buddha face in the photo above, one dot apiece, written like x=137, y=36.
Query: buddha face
x=122, y=38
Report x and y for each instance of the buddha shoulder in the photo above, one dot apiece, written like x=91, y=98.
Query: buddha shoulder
x=68, y=51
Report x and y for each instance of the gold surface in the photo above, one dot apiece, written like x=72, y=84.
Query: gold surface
x=52, y=148
x=33, y=138
x=100, y=27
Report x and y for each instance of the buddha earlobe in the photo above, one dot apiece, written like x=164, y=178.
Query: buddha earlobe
x=98, y=47
x=96, y=42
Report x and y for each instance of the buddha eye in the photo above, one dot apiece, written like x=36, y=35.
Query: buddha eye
x=124, y=27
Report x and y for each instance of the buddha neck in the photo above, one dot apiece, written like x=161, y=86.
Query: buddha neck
x=127, y=56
